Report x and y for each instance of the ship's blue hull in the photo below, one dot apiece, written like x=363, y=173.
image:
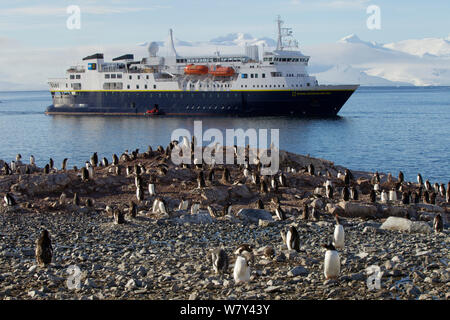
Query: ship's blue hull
x=306, y=103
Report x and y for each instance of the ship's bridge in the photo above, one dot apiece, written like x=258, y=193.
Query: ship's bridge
x=214, y=59
x=285, y=57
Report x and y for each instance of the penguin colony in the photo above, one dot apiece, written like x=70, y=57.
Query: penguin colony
x=342, y=187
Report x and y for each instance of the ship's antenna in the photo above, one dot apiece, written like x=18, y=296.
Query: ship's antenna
x=172, y=51
x=279, y=42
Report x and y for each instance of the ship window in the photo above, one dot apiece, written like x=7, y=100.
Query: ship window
x=130, y=77
x=145, y=86
x=137, y=86
x=78, y=76
x=251, y=76
x=146, y=77
x=119, y=76
x=263, y=75
x=113, y=76
x=128, y=86
x=256, y=75
x=72, y=76
x=307, y=84
x=154, y=86
x=139, y=77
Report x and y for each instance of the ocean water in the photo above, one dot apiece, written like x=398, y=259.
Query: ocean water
x=380, y=128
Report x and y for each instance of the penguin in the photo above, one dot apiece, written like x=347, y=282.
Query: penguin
x=212, y=212
x=129, y=170
x=314, y=214
x=137, y=169
x=51, y=164
x=117, y=171
x=426, y=196
x=198, y=163
x=442, y=190
x=405, y=198
x=347, y=178
x=447, y=195
x=89, y=203
x=13, y=166
x=416, y=198
x=227, y=209
x=90, y=169
x=155, y=206
x=105, y=162
x=138, y=181
x=438, y=224
x=241, y=271
x=311, y=169
x=62, y=198
x=401, y=177
x=226, y=177
x=200, y=180
x=436, y=187
x=339, y=234
x=273, y=183
x=339, y=175
x=427, y=186
x=162, y=206
x=433, y=198
x=373, y=196
x=184, y=204
x=119, y=217
x=47, y=169
x=151, y=189
x=329, y=191
x=293, y=239
x=27, y=170
x=354, y=193
x=140, y=193
x=419, y=179
x=377, y=177
x=255, y=178
x=263, y=187
x=210, y=178
x=132, y=209
x=84, y=174
x=246, y=172
x=345, y=194
x=44, y=249
x=305, y=214
x=332, y=263
x=283, y=180
x=9, y=200
x=94, y=159
x=260, y=204
x=64, y=164
x=384, y=196
x=32, y=160
x=280, y=213
x=115, y=159
x=376, y=187
x=76, y=199
x=393, y=195
x=195, y=208
x=219, y=260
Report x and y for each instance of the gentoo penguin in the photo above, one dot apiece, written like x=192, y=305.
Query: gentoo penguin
x=62, y=198
x=419, y=179
x=119, y=217
x=426, y=197
x=151, y=189
x=273, y=183
x=442, y=190
x=226, y=177
x=376, y=187
x=47, y=169
x=132, y=209
x=354, y=193
x=129, y=170
x=280, y=213
x=200, y=180
x=339, y=234
x=433, y=197
x=405, y=198
x=64, y=164
x=162, y=206
x=13, y=167
x=94, y=159
x=84, y=174
x=44, y=250
x=89, y=203
x=305, y=214
x=393, y=195
x=293, y=239
x=212, y=212
x=195, y=208
x=140, y=193
x=345, y=194
x=32, y=160
x=51, y=164
x=438, y=225
x=329, y=191
x=260, y=204
x=283, y=180
x=115, y=159
x=436, y=187
x=347, y=178
x=117, y=171
x=384, y=196
x=227, y=209
x=416, y=198
x=332, y=263
x=339, y=175
x=311, y=169
x=373, y=196
x=9, y=200
x=241, y=270
x=138, y=181
x=377, y=177
x=90, y=169
x=315, y=214
x=105, y=162
x=219, y=260
x=401, y=177
x=76, y=199
x=447, y=194
x=427, y=185
x=184, y=204
x=255, y=177
x=246, y=172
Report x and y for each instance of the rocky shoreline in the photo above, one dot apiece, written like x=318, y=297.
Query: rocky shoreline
x=166, y=256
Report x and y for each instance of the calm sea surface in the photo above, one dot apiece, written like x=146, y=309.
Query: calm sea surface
x=384, y=129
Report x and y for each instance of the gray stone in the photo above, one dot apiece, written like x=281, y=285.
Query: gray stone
x=298, y=271
x=406, y=225
x=254, y=215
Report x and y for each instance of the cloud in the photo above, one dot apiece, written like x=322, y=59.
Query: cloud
x=334, y=4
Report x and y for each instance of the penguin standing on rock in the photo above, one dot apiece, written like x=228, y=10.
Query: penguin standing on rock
x=280, y=213
x=241, y=271
x=283, y=180
x=427, y=186
x=151, y=189
x=311, y=169
x=132, y=209
x=332, y=263
x=47, y=169
x=354, y=193
x=393, y=195
x=64, y=165
x=339, y=234
x=426, y=197
x=32, y=160
x=345, y=194
x=438, y=225
x=219, y=260
x=419, y=179
x=51, y=164
x=401, y=177
x=384, y=196
x=44, y=249
x=115, y=159
x=373, y=196
x=200, y=180
x=76, y=199
x=293, y=239
x=140, y=193
x=442, y=190
x=305, y=214
x=84, y=174
x=329, y=191
x=9, y=200
x=119, y=217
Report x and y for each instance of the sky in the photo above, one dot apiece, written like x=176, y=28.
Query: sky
x=35, y=42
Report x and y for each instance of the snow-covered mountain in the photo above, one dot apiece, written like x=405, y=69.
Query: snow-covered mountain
x=421, y=47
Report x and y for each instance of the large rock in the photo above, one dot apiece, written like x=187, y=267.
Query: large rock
x=333, y=209
x=241, y=191
x=393, y=211
x=405, y=225
x=44, y=184
x=215, y=194
x=199, y=218
x=357, y=209
x=429, y=207
x=254, y=215
x=364, y=185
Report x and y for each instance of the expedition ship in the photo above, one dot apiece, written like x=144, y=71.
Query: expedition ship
x=221, y=85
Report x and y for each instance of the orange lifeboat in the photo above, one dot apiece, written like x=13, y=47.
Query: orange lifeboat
x=195, y=69
x=219, y=71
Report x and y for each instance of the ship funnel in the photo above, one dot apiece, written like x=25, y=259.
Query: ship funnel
x=172, y=52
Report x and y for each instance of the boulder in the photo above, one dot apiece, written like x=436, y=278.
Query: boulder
x=254, y=215
x=364, y=185
x=44, y=184
x=198, y=218
x=241, y=191
x=298, y=271
x=402, y=224
x=334, y=209
x=429, y=207
x=357, y=209
x=215, y=194
x=392, y=211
